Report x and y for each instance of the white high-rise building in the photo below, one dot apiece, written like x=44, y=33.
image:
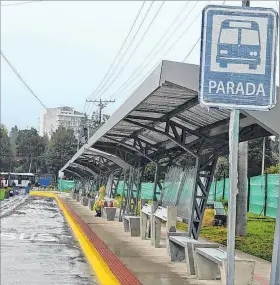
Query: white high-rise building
x=67, y=117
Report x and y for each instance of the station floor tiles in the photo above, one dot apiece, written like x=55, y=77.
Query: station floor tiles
x=150, y=265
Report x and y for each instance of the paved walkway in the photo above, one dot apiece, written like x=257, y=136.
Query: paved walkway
x=150, y=265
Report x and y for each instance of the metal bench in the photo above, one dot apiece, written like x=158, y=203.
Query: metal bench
x=211, y=263
x=132, y=224
x=182, y=248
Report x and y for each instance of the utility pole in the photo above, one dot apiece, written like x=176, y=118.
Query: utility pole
x=101, y=104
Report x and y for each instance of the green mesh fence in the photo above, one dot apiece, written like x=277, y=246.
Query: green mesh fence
x=65, y=185
x=257, y=193
x=147, y=190
x=272, y=194
x=258, y=199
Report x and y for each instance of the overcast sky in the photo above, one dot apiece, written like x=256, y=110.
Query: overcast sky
x=64, y=48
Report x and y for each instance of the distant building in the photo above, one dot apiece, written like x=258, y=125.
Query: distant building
x=67, y=117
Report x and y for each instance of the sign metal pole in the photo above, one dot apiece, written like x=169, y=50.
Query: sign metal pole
x=233, y=162
x=233, y=173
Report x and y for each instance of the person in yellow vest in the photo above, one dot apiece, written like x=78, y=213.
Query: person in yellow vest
x=99, y=202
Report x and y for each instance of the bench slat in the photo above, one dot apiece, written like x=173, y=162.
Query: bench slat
x=181, y=240
x=214, y=254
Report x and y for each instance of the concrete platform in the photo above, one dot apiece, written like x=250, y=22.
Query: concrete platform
x=150, y=265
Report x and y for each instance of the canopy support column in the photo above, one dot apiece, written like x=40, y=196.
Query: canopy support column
x=204, y=175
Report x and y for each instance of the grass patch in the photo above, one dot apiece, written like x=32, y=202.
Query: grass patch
x=258, y=241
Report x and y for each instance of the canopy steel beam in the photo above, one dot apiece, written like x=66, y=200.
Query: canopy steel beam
x=73, y=172
x=175, y=138
x=141, y=150
x=75, y=164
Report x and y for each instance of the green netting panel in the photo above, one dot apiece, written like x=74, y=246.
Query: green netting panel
x=226, y=188
x=66, y=185
x=211, y=196
x=220, y=189
x=272, y=195
x=147, y=190
x=120, y=188
x=257, y=194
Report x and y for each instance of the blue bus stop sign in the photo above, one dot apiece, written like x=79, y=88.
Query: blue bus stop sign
x=238, y=58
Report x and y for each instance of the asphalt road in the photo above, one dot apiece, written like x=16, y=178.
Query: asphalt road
x=37, y=247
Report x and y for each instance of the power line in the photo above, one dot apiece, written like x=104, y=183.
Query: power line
x=20, y=3
x=124, y=42
x=193, y=47
x=24, y=82
x=159, y=61
x=134, y=48
x=143, y=20
x=131, y=42
x=139, y=69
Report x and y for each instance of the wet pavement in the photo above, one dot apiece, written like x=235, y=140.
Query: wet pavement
x=37, y=247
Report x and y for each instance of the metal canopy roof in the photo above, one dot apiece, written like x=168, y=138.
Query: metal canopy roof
x=162, y=118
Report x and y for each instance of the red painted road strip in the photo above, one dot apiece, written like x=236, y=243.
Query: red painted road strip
x=124, y=276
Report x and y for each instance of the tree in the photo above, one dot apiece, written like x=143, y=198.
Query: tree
x=13, y=137
x=6, y=157
x=275, y=149
x=30, y=149
x=62, y=146
x=255, y=155
x=222, y=168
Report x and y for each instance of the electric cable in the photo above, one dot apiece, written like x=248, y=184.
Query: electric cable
x=131, y=42
x=24, y=82
x=123, y=44
x=138, y=70
x=169, y=49
x=134, y=48
x=20, y=3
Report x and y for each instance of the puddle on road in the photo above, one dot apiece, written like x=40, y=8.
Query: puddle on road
x=37, y=247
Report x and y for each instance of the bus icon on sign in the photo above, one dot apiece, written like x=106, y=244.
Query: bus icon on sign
x=239, y=43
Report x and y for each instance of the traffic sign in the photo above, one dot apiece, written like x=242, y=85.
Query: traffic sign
x=238, y=57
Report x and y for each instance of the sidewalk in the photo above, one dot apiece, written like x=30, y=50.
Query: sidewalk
x=150, y=265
